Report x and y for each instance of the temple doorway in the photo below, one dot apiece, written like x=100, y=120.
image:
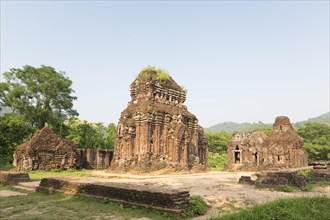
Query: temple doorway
x=237, y=155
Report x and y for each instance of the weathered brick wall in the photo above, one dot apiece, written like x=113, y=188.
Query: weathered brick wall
x=91, y=158
x=274, y=179
x=7, y=178
x=173, y=201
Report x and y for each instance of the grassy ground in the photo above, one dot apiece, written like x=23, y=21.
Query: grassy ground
x=58, y=206
x=39, y=174
x=36, y=205
x=305, y=208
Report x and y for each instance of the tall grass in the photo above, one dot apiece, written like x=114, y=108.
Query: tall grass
x=304, y=208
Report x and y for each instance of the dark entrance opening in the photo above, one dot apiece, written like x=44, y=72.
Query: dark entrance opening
x=256, y=157
x=237, y=155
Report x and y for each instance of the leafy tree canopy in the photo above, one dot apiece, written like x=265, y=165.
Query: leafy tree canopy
x=218, y=141
x=91, y=135
x=41, y=95
x=13, y=131
x=316, y=138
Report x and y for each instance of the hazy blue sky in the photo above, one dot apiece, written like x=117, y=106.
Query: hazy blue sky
x=240, y=61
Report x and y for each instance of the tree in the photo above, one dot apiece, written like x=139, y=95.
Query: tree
x=13, y=131
x=316, y=138
x=41, y=95
x=85, y=134
x=111, y=136
x=218, y=141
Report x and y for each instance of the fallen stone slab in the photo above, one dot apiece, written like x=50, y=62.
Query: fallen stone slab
x=246, y=180
x=171, y=201
x=13, y=178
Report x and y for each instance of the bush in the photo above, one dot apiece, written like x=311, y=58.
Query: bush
x=198, y=207
x=217, y=161
x=162, y=75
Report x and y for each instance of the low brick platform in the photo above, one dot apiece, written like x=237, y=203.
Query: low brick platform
x=11, y=178
x=172, y=201
x=273, y=178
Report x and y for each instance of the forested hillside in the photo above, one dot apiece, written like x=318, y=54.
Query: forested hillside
x=233, y=126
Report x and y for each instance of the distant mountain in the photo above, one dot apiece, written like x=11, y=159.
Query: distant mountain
x=324, y=119
x=233, y=126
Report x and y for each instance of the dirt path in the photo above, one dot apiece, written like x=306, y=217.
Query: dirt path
x=6, y=193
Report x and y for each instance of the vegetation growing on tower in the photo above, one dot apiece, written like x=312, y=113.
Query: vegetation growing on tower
x=162, y=74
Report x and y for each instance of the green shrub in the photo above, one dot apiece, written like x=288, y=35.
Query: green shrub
x=198, y=207
x=307, y=187
x=286, y=188
x=162, y=75
x=217, y=161
x=306, y=173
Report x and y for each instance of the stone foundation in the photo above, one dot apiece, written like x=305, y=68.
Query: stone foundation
x=7, y=178
x=172, y=201
x=321, y=170
x=274, y=179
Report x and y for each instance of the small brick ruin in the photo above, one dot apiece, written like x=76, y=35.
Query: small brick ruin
x=171, y=201
x=47, y=150
x=91, y=158
x=156, y=130
x=11, y=178
x=283, y=148
x=321, y=170
x=44, y=151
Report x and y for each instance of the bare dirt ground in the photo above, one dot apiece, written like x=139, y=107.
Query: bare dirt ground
x=219, y=189
x=6, y=193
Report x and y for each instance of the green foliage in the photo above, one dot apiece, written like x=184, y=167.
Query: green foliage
x=40, y=174
x=307, y=187
x=306, y=173
x=13, y=131
x=304, y=208
x=162, y=75
x=218, y=141
x=85, y=134
x=316, y=138
x=242, y=127
x=91, y=135
x=41, y=95
x=217, y=161
x=198, y=207
x=111, y=136
x=285, y=188
x=323, y=119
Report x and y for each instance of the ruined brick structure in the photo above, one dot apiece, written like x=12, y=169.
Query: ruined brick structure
x=44, y=151
x=91, y=158
x=283, y=148
x=47, y=150
x=156, y=130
